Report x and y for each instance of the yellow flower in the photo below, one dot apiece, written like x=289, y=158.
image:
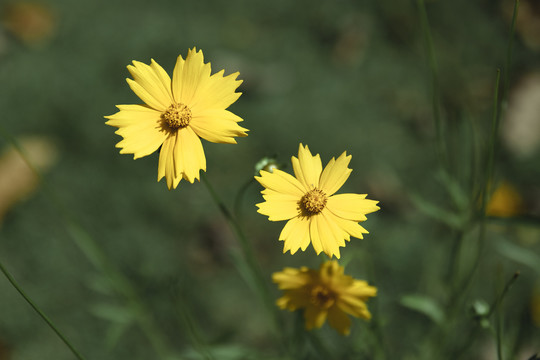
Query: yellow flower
x=326, y=293
x=315, y=214
x=505, y=202
x=176, y=114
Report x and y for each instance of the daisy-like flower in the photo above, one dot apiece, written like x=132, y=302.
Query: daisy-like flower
x=176, y=114
x=315, y=214
x=326, y=293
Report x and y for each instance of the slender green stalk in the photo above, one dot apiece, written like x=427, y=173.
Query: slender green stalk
x=248, y=255
x=499, y=299
x=91, y=249
x=239, y=197
x=198, y=342
x=40, y=312
x=498, y=336
x=381, y=350
x=441, y=145
x=485, y=188
x=494, y=306
x=509, y=53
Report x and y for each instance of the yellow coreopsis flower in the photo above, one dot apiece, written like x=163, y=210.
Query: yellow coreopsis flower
x=315, y=214
x=326, y=293
x=176, y=114
x=505, y=201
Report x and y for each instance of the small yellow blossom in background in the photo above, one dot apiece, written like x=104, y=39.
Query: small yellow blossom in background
x=315, y=214
x=326, y=293
x=505, y=202
x=176, y=114
x=535, y=307
x=17, y=179
x=31, y=22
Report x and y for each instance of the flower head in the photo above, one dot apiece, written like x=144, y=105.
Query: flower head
x=315, y=214
x=176, y=114
x=326, y=293
x=505, y=202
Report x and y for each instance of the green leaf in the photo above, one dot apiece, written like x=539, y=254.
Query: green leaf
x=459, y=197
x=519, y=254
x=425, y=305
x=430, y=209
x=114, y=333
x=113, y=313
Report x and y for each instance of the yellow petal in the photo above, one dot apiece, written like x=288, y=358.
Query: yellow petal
x=351, y=206
x=315, y=317
x=361, y=289
x=335, y=174
x=216, y=92
x=194, y=73
x=290, y=278
x=177, y=78
x=151, y=84
x=295, y=234
x=350, y=226
x=339, y=320
x=166, y=163
x=269, y=195
x=307, y=168
x=218, y=126
x=328, y=236
x=141, y=128
x=293, y=300
x=189, y=156
x=281, y=182
x=354, y=307
x=278, y=210
x=339, y=233
x=314, y=235
x=132, y=114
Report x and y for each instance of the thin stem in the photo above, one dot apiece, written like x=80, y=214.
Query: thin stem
x=509, y=52
x=248, y=254
x=91, y=249
x=498, y=301
x=485, y=186
x=498, y=336
x=198, y=342
x=40, y=313
x=239, y=197
x=494, y=306
x=424, y=22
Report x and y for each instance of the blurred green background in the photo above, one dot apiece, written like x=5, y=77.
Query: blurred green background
x=338, y=76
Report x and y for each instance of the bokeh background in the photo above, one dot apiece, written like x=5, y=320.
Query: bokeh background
x=339, y=76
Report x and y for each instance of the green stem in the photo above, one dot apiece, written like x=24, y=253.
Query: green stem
x=198, y=342
x=424, y=22
x=239, y=197
x=509, y=52
x=248, y=255
x=485, y=187
x=493, y=307
x=91, y=249
x=40, y=313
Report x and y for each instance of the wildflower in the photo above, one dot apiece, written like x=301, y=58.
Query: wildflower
x=326, y=293
x=315, y=214
x=535, y=307
x=31, y=22
x=505, y=202
x=176, y=114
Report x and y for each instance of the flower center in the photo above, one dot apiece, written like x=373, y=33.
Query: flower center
x=313, y=202
x=322, y=297
x=177, y=116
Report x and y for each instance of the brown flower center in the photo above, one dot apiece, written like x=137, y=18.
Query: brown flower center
x=313, y=202
x=322, y=297
x=177, y=116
